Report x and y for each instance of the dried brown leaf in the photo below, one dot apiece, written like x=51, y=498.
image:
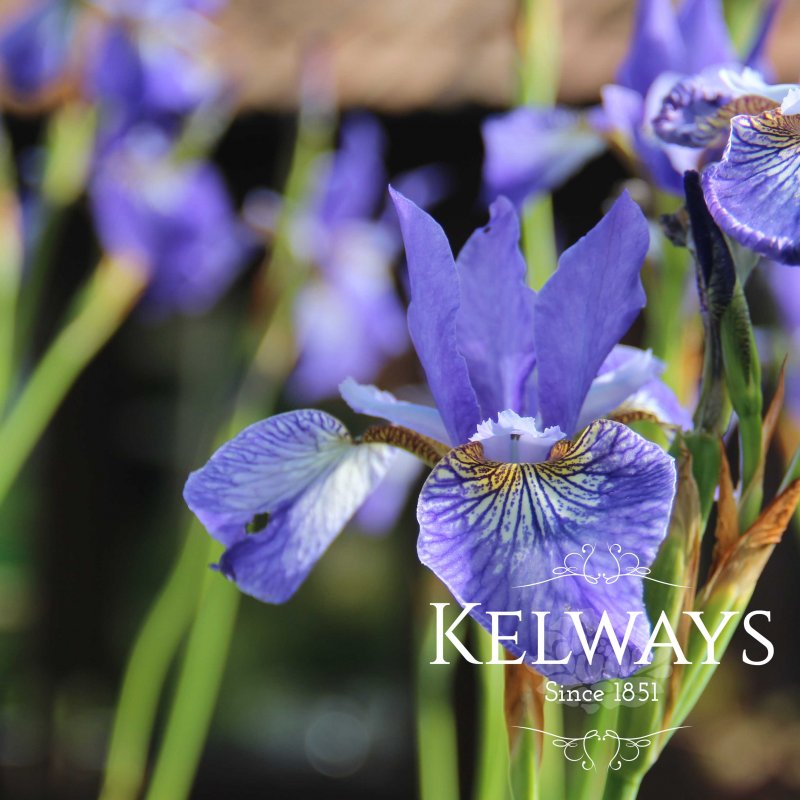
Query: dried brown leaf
x=727, y=530
x=523, y=702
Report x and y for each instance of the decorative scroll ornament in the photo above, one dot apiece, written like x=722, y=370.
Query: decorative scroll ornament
x=626, y=748
x=577, y=565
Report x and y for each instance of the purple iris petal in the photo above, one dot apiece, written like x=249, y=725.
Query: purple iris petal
x=585, y=308
x=34, y=47
x=629, y=380
x=143, y=77
x=705, y=35
x=657, y=46
x=374, y=403
x=490, y=531
x=354, y=181
x=752, y=192
x=624, y=371
x=625, y=110
x=535, y=150
x=495, y=317
x=383, y=507
x=176, y=220
x=432, y=315
x=304, y=471
x=352, y=321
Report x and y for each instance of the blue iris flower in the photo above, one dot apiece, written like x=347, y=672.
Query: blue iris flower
x=527, y=471
x=530, y=150
x=148, y=66
x=34, y=47
x=749, y=133
x=173, y=219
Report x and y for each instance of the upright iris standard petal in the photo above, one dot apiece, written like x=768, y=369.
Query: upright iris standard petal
x=355, y=179
x=656, y=46
x=753, y=192
x=533, y=150
x=585, y=308
x=301, y=469
x=495, y=318
x=432, y=314
x=705, y=34
x=502, y=535
x=373, y=402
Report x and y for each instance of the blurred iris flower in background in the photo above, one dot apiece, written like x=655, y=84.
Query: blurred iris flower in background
x=35, y=48
x=533, y=150
x=173, y=218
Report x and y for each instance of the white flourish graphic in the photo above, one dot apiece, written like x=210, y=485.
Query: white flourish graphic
x=626, y=748
x=576, y=565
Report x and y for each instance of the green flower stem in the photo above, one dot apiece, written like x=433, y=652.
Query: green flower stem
x=552, y=771
x=69, y=146
x=540, y=67
x=104, y=303
x=538, y=240
x=588, y=784
x=664, y=322
x=437, y=747
x=203, y=664
x=198, y=686
x=10, y=279
x=492, y=775
x=163, y=629
x=621, y=787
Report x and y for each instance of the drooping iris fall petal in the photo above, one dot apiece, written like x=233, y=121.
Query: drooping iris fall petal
x=499, y=534
x=752, y=192
x=304, y=471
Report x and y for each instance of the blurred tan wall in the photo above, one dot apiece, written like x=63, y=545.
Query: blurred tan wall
x=406, y=54
x=401, y=54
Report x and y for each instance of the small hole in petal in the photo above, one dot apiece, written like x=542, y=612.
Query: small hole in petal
x=258, y=523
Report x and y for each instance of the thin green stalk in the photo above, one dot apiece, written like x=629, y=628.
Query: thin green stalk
x=540, y=48
x=10, y=279
x=198, y=686
x=104, y=304
x=538, y=240
x=68, y=147
x=159, y=638
x=621, y=787
x=664, y=322
x=437, y=746
x=552, y=772
x=588, y=784
x=203, y=663
x=492, y=775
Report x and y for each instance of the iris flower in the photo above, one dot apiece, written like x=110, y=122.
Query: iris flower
x=34, y=47
x=349, y=319
x=173, y=219
x=753, y=128
x=534, y=150
x=527, y=472
x=147, y=65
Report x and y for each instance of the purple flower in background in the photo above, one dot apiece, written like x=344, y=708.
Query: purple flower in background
x=750, y=185
x=532, y=150
x=34, y=47
x=175, y=219
x=349, y=321
x=512, y=374
x=148, y=69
